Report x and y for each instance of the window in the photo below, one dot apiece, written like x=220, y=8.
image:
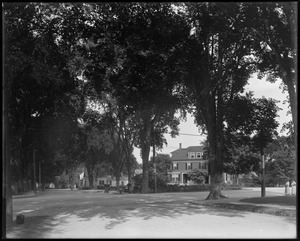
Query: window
x=199, y=154
x=175, y=166
x=175, y=177
x=192, y=154
x=101, y=182
x=203, y=165
x=187, y=166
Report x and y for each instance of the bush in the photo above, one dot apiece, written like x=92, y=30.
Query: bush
x=251, y=180
x=161, y=184
x=226, y=186
x=198, y=176
x=187, y=188
x=84, y=188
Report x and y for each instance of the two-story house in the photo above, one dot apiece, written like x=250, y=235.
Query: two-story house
x=185, y=160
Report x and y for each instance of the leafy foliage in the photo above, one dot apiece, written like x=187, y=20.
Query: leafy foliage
x=254, y=118
x=138, y=64
x=198, y=176
x=280, y=166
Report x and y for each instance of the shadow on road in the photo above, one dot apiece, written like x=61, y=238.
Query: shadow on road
x=110, y=211
x=34, y=227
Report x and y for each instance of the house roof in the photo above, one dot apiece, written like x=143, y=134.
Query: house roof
x=182, y=153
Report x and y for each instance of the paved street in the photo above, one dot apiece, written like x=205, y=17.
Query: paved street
x=93, y=214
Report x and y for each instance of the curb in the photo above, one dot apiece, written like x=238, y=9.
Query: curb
x=24, y=196
x=251, y=208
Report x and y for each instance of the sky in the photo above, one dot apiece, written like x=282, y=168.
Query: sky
x=190, y=136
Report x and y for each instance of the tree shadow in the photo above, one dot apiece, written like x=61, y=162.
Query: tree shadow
x=112, y=211
x=33, y=227
x=117, y=215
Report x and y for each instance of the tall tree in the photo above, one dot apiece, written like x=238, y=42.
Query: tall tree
x=251, y=126
x=274, y=28
x=39, y=83
x=280, y=167
x=218, y=65
x=137, y=63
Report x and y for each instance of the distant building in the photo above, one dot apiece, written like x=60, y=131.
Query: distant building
x=111, y=180
x=186, y=160
x=100, y=181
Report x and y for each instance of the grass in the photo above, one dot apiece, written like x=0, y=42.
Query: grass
x=289, y=200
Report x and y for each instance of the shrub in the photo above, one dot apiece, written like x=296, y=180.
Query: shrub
x=187, y=188
x=84, y=188
x=198, y=176
x=251, y=180
x=226, y=186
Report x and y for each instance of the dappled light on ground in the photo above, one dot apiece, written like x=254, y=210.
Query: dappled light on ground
x=96, y=215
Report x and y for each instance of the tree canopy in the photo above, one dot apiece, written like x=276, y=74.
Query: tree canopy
x=137, y=64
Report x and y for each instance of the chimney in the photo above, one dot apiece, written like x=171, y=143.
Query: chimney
x=179, y=145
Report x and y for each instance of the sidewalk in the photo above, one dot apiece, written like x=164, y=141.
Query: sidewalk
x=274, y=205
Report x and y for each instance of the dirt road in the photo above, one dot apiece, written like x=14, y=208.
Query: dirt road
x=91, y=214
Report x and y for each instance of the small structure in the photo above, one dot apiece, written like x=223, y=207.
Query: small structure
x=294, y=189
x=20, y=219
x=287, y=188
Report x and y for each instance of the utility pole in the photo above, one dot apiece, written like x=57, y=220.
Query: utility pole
x=263, y=188
x=34, y=171
x=154, y=169
x=40, y=174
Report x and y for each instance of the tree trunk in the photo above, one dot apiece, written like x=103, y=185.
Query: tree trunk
x=117, y=180
x=214, y=124
x=90, y=177
x=129, y=174
x=287, y=79
x=145, y=148
x=216, y=177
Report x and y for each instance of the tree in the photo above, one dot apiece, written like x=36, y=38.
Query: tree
x=95, y=142
x=40, y=84
x=217, y=66
x=251, y=127
x=280, y=167
x=163, y=165
x=136, y=64
x=37, y=83
x=123, y=132
x=275, y=31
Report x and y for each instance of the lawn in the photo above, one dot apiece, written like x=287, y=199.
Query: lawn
x=289, y=200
